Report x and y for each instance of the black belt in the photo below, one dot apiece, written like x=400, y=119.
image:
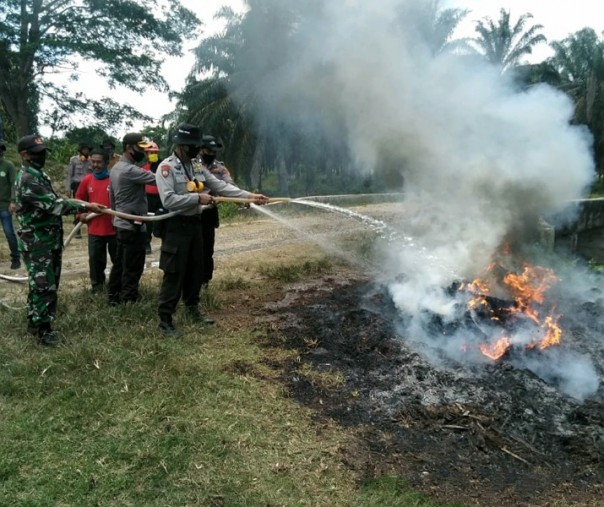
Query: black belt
x=187, y=219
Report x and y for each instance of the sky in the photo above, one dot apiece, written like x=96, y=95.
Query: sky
x=558, y=17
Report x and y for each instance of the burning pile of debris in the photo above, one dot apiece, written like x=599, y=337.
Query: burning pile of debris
x=496, y=431
x=520, y=320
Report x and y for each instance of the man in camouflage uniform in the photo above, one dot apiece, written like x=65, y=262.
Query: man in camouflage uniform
x=39, y=210
x=209, y=218
x=182, y=241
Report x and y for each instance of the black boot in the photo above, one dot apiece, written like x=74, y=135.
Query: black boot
x=167, y=328
x=48, y=337
x=196, y=316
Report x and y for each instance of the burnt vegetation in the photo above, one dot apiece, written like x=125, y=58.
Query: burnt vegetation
x=493, y=435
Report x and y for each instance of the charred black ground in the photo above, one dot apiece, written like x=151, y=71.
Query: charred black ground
x=491, y=436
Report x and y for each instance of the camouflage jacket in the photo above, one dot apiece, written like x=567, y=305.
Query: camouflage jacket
x=39, y=211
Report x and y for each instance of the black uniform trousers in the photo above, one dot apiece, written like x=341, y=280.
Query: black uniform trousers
x=209, y=223
x=153, y=204
x=128, y=267
x=98, y=247
x=181, y=262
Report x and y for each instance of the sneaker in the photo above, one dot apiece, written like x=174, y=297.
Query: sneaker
x=16, y=264
x=167, y=328
x=49, y=338
x=194, y=315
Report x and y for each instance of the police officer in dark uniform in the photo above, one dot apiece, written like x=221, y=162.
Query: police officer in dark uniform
x=182, y=240
x=210, y=219
x=127, y=195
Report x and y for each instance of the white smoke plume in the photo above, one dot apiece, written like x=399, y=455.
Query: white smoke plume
x=478, y=154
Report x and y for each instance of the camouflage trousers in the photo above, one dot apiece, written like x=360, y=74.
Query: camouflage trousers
x=43, y=272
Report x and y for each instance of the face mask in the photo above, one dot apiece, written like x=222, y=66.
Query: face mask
x=37, y=160
x=191, y=151
x=138, y=156
x=153, y=157
x=208, y=159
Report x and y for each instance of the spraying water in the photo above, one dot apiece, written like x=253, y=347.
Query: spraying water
x=382, y=229
x=328, y=246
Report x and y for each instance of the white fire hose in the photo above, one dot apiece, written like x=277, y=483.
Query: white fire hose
x=107, y=211
x=134, y=218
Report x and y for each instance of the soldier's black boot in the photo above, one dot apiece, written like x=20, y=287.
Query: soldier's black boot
x=167, y=327
x=195, y=315
x=48, y=337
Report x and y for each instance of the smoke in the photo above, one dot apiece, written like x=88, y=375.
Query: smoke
x=478, y=155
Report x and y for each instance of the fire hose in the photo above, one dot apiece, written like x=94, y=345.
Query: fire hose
x=137, y=218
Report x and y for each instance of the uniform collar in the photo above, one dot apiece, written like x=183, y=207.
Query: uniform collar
x=35, y=172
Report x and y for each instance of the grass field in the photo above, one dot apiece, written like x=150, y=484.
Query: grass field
x=120, y=415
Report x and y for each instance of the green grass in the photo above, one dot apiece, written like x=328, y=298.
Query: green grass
x=120, y=415
x=295, y=272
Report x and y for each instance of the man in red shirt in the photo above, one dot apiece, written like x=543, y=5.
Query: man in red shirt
x=101, y=234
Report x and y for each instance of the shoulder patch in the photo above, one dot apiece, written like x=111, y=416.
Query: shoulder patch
x=165, y=170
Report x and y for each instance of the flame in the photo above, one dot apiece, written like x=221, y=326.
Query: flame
x=528, y=292
x=496, y=350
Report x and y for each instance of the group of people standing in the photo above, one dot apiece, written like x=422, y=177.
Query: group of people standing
x=184, y=183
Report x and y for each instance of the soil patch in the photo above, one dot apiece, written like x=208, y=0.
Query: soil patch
x=495, y=436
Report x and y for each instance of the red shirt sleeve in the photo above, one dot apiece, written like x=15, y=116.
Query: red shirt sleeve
x=82, y=191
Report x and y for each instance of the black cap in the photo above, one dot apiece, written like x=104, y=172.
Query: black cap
x=32, y=143
x=210, y=143
x=187, y=133
x=136, y=138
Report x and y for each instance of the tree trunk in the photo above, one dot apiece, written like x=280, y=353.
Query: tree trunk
x=16, y=109
x=283, y=176
x=255, y=175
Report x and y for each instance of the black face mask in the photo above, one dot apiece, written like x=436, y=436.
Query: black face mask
x=37, y=160
x=138, y=156
x=208, y=159
x=191, y=151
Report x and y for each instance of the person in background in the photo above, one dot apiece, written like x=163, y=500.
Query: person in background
x=8, y=174
x=79, y=166
x=127, y=194
x=182, y=241
x=39, y=211
x=109, y=146
x=101, y=234
x=153, y=200
x=209, y=218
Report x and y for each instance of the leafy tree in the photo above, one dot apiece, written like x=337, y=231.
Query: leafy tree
x=503, y=43
x=579, y=59
x=126, y=39
x=93, y=134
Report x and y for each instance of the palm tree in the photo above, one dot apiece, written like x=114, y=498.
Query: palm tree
x=435, y=25
x=504, y=44
x=579, y=59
